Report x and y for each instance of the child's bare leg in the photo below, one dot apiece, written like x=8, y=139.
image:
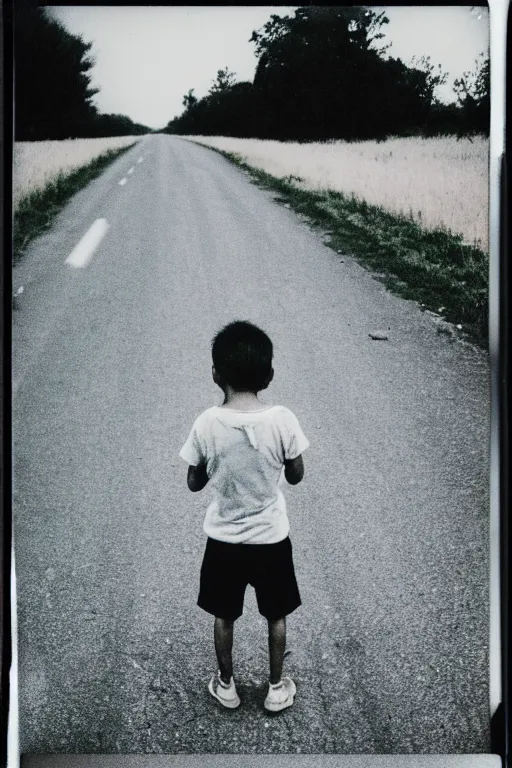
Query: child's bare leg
x=223, y=637
x=276, y=647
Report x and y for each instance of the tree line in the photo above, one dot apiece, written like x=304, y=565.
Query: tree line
x=53, y=96
x=323, y=74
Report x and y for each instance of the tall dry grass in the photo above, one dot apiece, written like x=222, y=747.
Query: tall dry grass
x=37, y=163
x=440, y=182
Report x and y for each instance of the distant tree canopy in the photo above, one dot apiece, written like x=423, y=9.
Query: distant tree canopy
x=473, y=91
x=116, y=125
x=322, y=74
x=228, y=106
x=52, y=83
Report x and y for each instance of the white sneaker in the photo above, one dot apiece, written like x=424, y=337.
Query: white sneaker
x=280, y=695
x=226, y=694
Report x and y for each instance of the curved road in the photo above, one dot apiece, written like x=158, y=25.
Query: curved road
x=390, y=526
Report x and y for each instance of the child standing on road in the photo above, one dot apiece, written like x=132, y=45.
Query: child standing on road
x=241, y=447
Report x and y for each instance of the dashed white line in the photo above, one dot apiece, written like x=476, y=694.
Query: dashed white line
x=82, y=253
x=131, y=170
x=123, y=181
x=140, y=159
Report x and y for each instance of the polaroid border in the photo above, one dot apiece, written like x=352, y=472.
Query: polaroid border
x=499, y=566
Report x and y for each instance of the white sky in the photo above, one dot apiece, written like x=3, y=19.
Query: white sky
x=148, y=57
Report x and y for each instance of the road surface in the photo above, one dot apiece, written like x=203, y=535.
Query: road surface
x=111, y=364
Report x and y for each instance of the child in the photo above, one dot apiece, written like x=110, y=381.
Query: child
x=242, y=447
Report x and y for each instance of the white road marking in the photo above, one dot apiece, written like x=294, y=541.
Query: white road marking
x=82, y=253
x=123, y=181
x=140, y=159
x=131, y=170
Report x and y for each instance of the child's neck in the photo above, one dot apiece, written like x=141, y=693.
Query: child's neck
x=241, y=401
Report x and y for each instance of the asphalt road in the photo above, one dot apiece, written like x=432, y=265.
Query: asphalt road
x=111, y=364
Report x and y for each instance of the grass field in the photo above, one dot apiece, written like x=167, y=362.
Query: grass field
x=444, y=272
x=37, y=163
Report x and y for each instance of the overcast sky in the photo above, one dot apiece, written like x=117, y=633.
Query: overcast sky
x=148, y=57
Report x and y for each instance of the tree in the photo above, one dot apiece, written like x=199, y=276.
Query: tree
x=231, y=112
x=53, y=93
x=225, y=80
x=428, y=81
x=410, y=91
x=473, y=91
x=323, y=75
x=307, y=67
x=189, y=100
x=363, y=27
x=116, y=125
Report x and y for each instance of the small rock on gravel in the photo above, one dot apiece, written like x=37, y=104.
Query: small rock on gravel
x=379, y=335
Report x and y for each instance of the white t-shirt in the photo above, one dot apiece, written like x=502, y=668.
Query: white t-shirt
x=244, y=453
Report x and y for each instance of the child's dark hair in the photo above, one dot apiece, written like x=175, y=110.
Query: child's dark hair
x=242, y=356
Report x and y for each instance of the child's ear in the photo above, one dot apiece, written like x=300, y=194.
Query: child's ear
x=216, y=377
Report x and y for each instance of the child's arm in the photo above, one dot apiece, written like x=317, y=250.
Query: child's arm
x=294, y=470
x=294, y=443
x=193, y=452
x=197, y=477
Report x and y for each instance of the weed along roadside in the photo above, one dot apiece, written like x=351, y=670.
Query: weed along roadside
x=36, y=211
x=433, y=267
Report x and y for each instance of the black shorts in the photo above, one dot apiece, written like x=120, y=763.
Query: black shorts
x=227, y=569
